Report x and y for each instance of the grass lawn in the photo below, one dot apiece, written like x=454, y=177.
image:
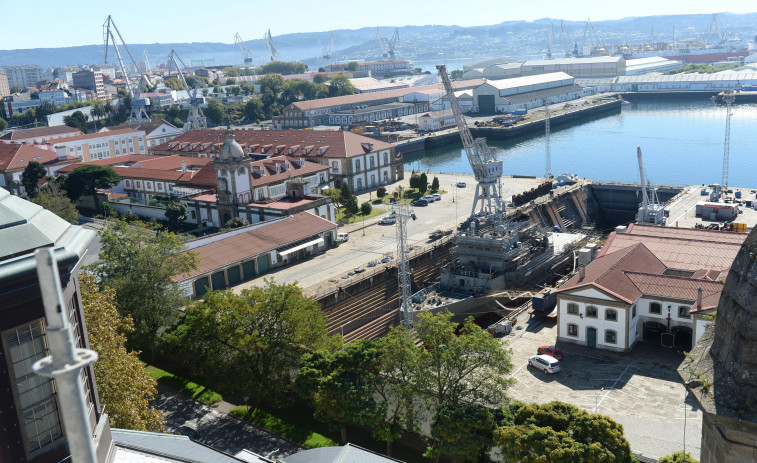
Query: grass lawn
x=408, y=195
x=342, y=217
x=295, y=426
x=183, y=385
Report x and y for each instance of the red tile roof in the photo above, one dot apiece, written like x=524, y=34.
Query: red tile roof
x=14, y=157
x=309, y=144
x=143, y=160
x=695, y=234
x=261, y=238
x=38, y=132
x=672, y=286
x=147, y=126
x=608, y=273
x=271, y=176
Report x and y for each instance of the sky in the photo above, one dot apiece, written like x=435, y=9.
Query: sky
x=55, y=23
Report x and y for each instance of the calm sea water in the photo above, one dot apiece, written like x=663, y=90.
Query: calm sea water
x=682, y=144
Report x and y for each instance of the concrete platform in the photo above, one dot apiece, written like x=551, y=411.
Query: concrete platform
x=683, y=208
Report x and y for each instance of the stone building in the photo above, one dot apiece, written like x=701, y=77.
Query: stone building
x=721, y=372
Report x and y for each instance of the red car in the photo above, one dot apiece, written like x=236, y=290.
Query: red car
x=552, y=351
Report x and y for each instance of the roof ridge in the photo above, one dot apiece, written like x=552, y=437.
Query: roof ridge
x=676, y=277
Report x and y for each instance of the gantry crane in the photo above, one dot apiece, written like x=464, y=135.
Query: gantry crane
x=138, y=112
x=650, y=212
x=148, y=68
x=392, y=42
x=275, y=55
x=728, y=97
x=487, y=169
x=195, y=121
x=244, y=49
x=328, y=48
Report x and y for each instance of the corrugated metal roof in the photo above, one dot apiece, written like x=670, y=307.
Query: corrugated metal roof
x=566, y=61
x=346, y=454
x=148, y=447
x=515, y=82
x=720, y=77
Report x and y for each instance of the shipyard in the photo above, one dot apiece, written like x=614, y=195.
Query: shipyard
x=530, y=240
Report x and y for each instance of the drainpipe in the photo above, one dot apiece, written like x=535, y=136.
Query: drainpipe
x=65, y=361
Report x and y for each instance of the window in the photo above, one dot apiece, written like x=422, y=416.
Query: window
x=572, y=329
x=34, y=394
x=611, y=315
x=683, y=311
x=373, y=162
x=357, y=165
x=591, y=311
x=335, y=166
x=193, y=214
x=633, y=313
x=160, y=186
x=573, y=308
x=611, y=337
x=655, y=307
x=241, y=171
x=386, y=158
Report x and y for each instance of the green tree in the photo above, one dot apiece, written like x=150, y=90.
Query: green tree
x=381, y=192
x=414, y=180
x=465, y=430
x=176, y=212
x=235, y=222
x=423, y=183
x=122, y=382
x=560, y=432
x=231, y=81
x=319, y=79
x=76, y=120
x=456, y=74
x=15, y=89
x=87, y=180
x=31, y=115
x=366, y=208
x=678, y=457
x=52, y=198
x=435, y=184
x=231, y=71
x=173, y=83
x=215, y=112
x=340, y=85
x=336, y=196
x=348, y=199
x=253, y=110
x=3, y=124
x=45, y=109
x=140, y=266
x=353, y=66
x=283, y=68
x=470, y=367
x=33, y=173
x=339, y=385
x=252, y=342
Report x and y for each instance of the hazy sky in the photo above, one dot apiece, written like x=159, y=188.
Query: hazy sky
x=56, y=23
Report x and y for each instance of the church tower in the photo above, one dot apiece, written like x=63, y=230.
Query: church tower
x=232, y=179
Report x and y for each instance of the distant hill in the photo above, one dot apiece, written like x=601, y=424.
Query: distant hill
x=519, y=39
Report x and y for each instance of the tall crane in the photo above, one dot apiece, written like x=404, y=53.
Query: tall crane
x=244, y=49
x=138, y=104
x=650, y=211
x=551, y=39
x=728, y=97
x=547, y=131
x=275, y=55
x=148, y=68
x=403, y=213
x=328, y=48
x=381, y=41
x=487, y=169
x=195, y=121
x=566, y=39
x=392, y=42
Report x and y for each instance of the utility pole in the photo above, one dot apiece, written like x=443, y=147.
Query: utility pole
x=403, y=213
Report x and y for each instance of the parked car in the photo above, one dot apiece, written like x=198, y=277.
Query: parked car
x=429, y=198
x=419, y=202
x=552, y=351
x=393, y=200
x=386, y=259
x=435, y=235
x=437, y=197
x=461, y=184
x=358, y=270
x=544, y=363
x=373, y=263
x=344, y=237
x=388, y=220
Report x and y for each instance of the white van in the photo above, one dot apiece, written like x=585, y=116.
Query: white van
x=344, y=237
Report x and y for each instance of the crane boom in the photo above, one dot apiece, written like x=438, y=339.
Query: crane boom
x=196, y=120
x=239, y=45
x=392, y=42
x=275, y=55
x=486, y=168
x=138, y=104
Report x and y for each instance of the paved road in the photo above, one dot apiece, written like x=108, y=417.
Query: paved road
x=641, y=389
x=218, y=430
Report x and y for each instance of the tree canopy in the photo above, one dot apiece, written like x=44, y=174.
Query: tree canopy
x=340, y=85
x=353, y=66
x=253, y=341
x=176, y=212
x=87, y=180
x=3, y=124
x=140, y=266
x=215, y=112
x=283, y=67
x=76, y=120
x=123, y=384
x=33, y=173
x=55, y=200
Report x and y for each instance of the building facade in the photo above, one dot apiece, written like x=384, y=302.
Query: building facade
x=5, y=89
x=91, y=80
x=39, y=135
x=22, y=76
x=103, y=145
x=156, y=132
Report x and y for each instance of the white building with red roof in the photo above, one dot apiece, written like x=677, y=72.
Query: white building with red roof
x=362, y=162
x=102, y=145
x=39, y=135
x=655, y=284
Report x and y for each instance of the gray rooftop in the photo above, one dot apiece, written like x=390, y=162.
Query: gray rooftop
x=347, y=454
x=149, y=447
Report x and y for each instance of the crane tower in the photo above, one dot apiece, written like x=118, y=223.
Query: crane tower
x=728, y=97
x=651, y=211
x=244, y=49
x=547, y=131
x=275, y=55
x=195, y=121
x=486, y=168
x=138, y=104
x=403, y=213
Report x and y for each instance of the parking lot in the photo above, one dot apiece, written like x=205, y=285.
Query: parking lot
x=640, y=390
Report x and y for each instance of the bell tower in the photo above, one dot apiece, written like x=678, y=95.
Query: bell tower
x=232, y=178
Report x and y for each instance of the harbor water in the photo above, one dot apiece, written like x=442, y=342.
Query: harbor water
x=682, y=143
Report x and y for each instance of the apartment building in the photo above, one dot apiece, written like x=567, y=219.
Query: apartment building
x=5, y=89
x=22, y=76
x=39, y=135
x=91, y=80
x=102, y=145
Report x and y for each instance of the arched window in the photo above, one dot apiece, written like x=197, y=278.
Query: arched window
x=591, y=311
x=359, y=184
x=611, y=315
x=611, y=337
x=572, y=308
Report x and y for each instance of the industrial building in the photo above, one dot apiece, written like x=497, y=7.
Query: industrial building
x=648, y=281
x=507, y=95
x=639, y=66
x=593, y=67
x=369, y=84
x=436, y=120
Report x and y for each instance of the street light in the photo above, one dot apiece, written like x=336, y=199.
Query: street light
x=596, y=400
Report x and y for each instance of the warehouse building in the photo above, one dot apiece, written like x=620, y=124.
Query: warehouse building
x=507, y=95
x=593, y=67
x=636, y=67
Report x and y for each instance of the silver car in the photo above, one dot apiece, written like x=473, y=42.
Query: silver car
x=544, y=363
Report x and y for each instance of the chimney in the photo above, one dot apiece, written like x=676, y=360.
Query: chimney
x=699, y=298
x=581, y=272
x=184, y=167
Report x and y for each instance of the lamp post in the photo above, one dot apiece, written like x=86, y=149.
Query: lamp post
x=596, y=400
